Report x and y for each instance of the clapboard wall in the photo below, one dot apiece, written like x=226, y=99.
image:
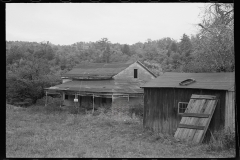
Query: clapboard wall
x=160, y=108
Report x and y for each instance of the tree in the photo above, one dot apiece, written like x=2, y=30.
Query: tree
x=105, y=49
x=185, y=46
x=216, y=40
x=126, y=50
x=174, y=47
x=14, y=54
x=29, y=79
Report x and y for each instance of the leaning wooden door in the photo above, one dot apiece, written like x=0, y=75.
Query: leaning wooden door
x=196, y=118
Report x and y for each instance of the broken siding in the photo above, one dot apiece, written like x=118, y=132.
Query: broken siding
x=128, y=73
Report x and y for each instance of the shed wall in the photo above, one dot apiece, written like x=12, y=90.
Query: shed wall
x=230, y=111
x=160, y=108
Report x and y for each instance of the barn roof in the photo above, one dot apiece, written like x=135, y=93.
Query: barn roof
x=100, y=70
x=112, y=86
x=215, y=81
x=96, y=69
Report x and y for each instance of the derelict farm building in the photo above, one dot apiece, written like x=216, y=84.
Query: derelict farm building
x=98, y=84
x=165, y=100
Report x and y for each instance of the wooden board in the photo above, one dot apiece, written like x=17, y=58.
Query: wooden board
x=196, y=119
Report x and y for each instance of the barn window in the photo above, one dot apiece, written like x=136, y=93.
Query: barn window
x=182, y=107
x=135, y=73
x=66, y=96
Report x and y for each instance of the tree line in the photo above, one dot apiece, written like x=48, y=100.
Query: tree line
x=32, y=66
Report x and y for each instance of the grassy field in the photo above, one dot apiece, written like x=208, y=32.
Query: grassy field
x=41, y=132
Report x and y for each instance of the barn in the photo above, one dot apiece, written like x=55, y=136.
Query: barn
x=165, y=99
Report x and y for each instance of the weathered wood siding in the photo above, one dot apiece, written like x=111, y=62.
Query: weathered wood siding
x=128, y=73
x=230, y=111
x=160, y=108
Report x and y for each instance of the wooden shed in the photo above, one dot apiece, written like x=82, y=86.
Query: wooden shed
x=165, y=100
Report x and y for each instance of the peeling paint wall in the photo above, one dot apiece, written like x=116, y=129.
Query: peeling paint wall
x=128, y=73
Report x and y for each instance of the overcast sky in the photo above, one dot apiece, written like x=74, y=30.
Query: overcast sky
x=127, y=23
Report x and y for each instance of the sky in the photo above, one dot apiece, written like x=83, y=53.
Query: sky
x=124, y=23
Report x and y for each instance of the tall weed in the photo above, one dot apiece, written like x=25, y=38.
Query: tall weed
x=222, y=140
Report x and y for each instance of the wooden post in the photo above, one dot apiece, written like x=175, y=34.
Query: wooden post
x=61, y=100
x=75, y=103
x=46, y=99
x=93, y=104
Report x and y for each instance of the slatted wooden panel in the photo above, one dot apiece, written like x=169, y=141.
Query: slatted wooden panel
x=196, y=119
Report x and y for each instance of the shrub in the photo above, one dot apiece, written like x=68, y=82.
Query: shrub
x=52, y=107
x=221, y=140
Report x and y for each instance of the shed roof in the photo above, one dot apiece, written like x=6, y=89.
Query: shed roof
x=214, y=81
x=112, y=86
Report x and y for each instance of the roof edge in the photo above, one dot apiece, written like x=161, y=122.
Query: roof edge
x=146, y=68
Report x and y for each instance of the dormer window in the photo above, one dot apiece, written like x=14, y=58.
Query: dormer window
x=135, y=73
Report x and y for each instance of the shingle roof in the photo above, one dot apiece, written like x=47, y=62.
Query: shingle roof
x=96, y=69
x=113, y=86
x=216, y=81
x=106, y=70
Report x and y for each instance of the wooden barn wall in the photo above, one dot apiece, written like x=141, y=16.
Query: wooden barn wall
x=230, y=111
x=160, y=108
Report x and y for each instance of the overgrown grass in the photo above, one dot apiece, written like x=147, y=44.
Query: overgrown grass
x=41, y=132
x=224, y=139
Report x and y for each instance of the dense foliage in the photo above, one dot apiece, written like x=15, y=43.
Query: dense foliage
x=31, y=66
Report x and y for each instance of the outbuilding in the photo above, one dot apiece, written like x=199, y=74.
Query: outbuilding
x=167, y=97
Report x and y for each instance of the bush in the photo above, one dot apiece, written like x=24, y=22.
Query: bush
x=222, y=140
x=52, y=108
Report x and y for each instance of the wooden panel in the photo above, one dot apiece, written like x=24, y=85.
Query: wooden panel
x=191, y=104
x=194, y=96
x=190, y=120
x=199, y=115
x=193, y=121
x=191, y=126
x=196, y=119
x=229, y=111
